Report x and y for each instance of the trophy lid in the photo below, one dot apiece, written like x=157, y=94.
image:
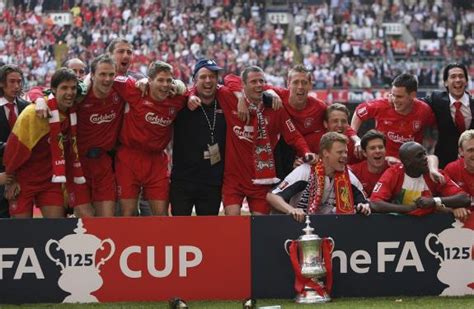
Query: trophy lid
x=80, y=241
x=308, y=231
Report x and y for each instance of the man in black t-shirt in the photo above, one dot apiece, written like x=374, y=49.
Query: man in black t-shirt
x=198, y=149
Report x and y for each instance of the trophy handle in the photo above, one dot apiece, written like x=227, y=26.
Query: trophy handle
x=112, y=251
x=48, y=253
x=332, y=243
x=288, y=241
x=428, y=247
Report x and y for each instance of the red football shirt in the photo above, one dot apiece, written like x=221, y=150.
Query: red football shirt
x=309, y=120
x=460, y=175
x=390, y=187
x=239, y=150
x=147, y=123
x=99, y=121
x=368, y=179
x=397, y=128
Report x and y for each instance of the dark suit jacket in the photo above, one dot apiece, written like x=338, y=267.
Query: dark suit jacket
x=4, y=133
x=448, y=135
x=5, y=127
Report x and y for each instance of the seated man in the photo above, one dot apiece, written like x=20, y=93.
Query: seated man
x=461, y=171
x=407, y=188
x=322, y=188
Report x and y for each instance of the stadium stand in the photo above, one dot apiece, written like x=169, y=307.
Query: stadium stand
x=348, y=44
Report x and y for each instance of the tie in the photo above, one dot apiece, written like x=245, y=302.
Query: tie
x=11, y=114
x=458, y=117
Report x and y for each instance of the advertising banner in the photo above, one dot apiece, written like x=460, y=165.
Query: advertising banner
x=379, y=255
x=124, y=259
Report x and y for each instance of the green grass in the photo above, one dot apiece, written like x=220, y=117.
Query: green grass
x=386, y=302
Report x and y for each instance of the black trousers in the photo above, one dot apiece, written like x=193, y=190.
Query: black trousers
x=184, y=195
x=4, y=210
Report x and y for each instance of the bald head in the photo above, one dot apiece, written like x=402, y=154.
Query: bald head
x=78, y=66
x=413, y=157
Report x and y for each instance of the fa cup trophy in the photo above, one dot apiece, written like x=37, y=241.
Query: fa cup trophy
x=311, y=259
x=455, y=258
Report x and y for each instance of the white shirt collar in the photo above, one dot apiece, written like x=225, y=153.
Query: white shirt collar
x=464, y=100
x=4, y=101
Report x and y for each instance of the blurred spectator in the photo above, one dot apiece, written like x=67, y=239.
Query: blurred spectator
x=345, y=42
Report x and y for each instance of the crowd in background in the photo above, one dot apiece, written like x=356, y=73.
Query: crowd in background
x=342, y=41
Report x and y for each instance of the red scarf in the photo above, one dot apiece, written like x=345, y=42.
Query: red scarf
x=58, y=160
x=342, y=190
x=301, y=281
x=263, y=153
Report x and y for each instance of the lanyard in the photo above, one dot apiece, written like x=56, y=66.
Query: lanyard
x=213, y=126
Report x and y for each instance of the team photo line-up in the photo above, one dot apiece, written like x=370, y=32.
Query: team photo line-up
x=115, y=142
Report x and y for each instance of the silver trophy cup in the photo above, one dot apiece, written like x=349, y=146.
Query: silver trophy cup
x=311, y=264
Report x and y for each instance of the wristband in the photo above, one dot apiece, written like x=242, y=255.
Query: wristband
x=438, y=202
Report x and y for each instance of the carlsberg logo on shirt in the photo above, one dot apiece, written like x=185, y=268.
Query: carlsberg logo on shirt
x=155, y=119
x=98, y=118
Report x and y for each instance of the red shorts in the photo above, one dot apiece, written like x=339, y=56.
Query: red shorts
x=136, y=169
x=48, y=194
x=233, y=193
x=100, y=182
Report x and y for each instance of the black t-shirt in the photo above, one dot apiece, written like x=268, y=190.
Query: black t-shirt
x=192, y=136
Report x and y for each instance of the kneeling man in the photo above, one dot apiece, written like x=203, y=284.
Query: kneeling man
x=322, y=188
x=407, y=187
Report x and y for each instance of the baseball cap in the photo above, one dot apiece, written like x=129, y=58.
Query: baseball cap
x=206, y=63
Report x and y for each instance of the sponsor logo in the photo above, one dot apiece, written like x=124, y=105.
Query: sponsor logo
x=121, y=78
x=245, y=134
x=377, y=187
x=99, y=119
x=283, y=185
x=361, y=112
x=400, y=139
x=290, y=125
x=155, y=119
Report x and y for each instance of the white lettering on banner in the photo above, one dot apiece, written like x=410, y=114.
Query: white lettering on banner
x=150, y=262
x=183, y=262
x=155, y=119
x=360, y=260
x=28, y=263
x=124, y=265
x=383, y=257
x=242, y=134
x=403, y=262
x=356, y=263
x=98, y=119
